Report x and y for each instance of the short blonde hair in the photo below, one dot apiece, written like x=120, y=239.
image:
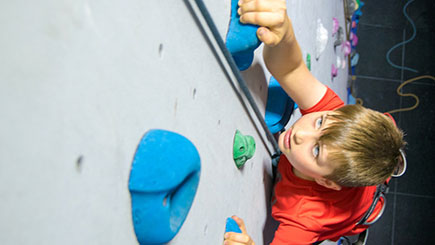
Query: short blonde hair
x=363, y=144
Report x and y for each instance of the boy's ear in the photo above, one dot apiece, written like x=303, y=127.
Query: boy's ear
x=328, y=183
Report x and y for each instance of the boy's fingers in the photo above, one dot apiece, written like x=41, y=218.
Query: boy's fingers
x=233, y=243
x=262, y=6
x=237, y=237
x=244, y=1
x=255, y=6
x=263, y=19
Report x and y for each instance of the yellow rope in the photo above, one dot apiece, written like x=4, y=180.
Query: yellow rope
x=417, y=101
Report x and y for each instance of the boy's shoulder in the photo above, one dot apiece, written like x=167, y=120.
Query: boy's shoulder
x=306, y=198
x=330, y=101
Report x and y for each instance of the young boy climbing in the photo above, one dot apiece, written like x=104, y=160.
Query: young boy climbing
x=333, y=156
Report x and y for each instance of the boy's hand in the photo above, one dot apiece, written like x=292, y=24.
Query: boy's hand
x=271, y=15
x=282, y=54
x=232, y=238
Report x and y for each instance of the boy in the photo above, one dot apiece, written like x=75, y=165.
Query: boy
x=333, y=156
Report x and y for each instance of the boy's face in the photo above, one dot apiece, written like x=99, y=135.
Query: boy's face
x=300, y=144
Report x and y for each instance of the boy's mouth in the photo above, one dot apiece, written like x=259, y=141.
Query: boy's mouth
x=287, y=137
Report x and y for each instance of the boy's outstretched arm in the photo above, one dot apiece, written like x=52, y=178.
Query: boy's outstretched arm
x=282, y=53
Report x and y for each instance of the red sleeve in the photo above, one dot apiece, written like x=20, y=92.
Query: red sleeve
x=330, y=101
x=288, y=234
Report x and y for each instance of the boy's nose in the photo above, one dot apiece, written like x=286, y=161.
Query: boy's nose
x=302, y=136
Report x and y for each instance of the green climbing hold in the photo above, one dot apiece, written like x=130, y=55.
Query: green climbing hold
x=243, y=148
x=309, y=62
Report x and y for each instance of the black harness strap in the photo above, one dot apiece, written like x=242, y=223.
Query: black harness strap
x=380, y=191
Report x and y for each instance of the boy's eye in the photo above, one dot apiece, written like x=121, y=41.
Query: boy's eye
x=316, y=151
x=319, y=122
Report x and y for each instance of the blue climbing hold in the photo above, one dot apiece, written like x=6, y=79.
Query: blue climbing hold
x=232, y=226
x=241, y=39
x=163, y=181
x=279, y=107
x=350, y=99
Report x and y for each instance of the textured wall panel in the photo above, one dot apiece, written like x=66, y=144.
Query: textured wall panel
x=82, y=81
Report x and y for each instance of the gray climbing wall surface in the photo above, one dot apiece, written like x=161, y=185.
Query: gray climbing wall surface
x=82, y=81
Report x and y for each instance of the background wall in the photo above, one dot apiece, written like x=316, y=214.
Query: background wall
x=409, y=217
x=82, y=81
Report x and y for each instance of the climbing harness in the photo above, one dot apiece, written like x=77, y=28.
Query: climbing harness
x=383, y=189
x=380, y=191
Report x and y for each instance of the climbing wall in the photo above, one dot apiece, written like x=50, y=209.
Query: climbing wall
x=82, y=81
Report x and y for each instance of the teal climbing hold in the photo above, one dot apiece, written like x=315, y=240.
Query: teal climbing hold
x=241, y=39
x=163, y=181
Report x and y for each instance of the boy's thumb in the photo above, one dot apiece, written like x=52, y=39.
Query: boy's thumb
x=266, y=36
x=241, y=224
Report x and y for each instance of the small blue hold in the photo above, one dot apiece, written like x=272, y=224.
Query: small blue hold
x=350, y=99
x=163, y=181
x=241, y=39
x=232, y=226
x=279, y=107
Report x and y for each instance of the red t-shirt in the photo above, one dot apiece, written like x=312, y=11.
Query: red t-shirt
x=309, y=212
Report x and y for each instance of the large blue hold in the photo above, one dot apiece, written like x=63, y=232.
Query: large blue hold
x=163, y=181
x=279, y=107
x=241, y=39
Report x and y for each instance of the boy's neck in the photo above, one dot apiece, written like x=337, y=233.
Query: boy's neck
x=301, y=175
